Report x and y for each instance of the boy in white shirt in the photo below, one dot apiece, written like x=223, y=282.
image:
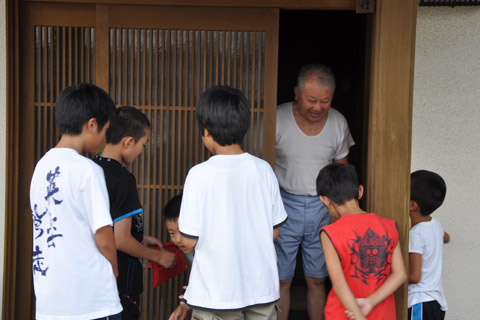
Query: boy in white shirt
x=231, y=212
x=426, y=299
x=74, y=254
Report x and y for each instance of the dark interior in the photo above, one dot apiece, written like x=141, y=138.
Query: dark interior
x=336, y=39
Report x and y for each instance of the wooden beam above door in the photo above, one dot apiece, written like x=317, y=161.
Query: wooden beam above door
x=281, y=4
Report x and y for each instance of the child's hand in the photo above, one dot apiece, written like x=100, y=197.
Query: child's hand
x=182, y=310
x=150, y=241
x=365, y=305
x=349, y=314
x=166, y=259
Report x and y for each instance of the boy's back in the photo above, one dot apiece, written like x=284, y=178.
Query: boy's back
x=426, y=299
x=230, y=214
x=124, y=202
x=69, y=203
x=362, y=252
x=74, y=258
x=365, y=245
x=232, y=203
x=426, y=238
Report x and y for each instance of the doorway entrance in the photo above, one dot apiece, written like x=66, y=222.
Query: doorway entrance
x=336, y=39
x=388, y=87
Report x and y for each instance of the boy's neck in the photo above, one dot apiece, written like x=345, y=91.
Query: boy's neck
x=70, y=141
x=231, y=149
x=113, y=151
x=350, y=207
x=416, y=217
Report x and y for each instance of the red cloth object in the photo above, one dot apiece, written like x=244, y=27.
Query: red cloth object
x=161, y=274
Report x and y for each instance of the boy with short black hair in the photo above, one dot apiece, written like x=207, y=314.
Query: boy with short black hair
x=426, y=299
x=128, y=133
x=362, y=252
x=170, y=217
x=231, y=211
x=74, y=255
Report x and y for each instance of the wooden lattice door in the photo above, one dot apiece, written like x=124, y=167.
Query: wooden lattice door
x=158, y=59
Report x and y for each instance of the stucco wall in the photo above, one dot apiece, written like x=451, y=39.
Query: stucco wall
x=3, y=136
x=446, y=139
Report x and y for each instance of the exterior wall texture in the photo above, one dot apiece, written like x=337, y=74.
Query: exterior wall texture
x=446, y=132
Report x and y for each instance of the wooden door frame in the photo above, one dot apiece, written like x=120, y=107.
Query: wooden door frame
x=389, y=87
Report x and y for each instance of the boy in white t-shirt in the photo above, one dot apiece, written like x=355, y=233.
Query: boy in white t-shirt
x=426, y=299
x=231, y=212
x=74, y=254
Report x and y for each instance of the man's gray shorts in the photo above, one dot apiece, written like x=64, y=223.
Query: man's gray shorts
x=307, y=215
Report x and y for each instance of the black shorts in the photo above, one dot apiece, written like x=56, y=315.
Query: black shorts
x=426, y=311
x=131, y=306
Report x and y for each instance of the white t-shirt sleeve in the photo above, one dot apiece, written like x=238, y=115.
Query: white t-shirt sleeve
x=416, y=243
x=346, y=139
x=188, y=221
x=94, y=197
x=279, y=215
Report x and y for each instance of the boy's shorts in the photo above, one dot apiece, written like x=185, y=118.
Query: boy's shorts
x=306, y=216
x=430, y=310
x=131, y=306
x=117, y=316
x=260, y=312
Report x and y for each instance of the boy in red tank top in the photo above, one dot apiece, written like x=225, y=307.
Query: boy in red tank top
x=362, y=251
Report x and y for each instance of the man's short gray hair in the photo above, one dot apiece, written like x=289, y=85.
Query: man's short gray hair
x=322, y=74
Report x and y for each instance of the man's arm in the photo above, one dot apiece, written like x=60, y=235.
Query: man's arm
x=276, y=232
x=106, y=245
x=414, y=267
x=396, y=278
x=337, y=277
x=129, y=245
x=342, y=161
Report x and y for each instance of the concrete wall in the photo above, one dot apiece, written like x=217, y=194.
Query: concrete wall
x=3, y=137
x=446, y=139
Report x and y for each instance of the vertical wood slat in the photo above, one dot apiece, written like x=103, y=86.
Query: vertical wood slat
x=51, y=90
x=229, y=59
x=246, y=79
x=197, y=91
x=81, y=43
x=131, y=59
x=217, y=45
x=252, y=89
x=89, y=54
x=44, y=78
x=124, y=66
x=173, y=106
x=180, y=104
x=259, y=107
x=113, y=65
x=240, y=49
x=74, y=54
x=57, y=82
x=71, y=65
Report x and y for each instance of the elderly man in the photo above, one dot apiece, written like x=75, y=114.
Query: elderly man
x=310, y=134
